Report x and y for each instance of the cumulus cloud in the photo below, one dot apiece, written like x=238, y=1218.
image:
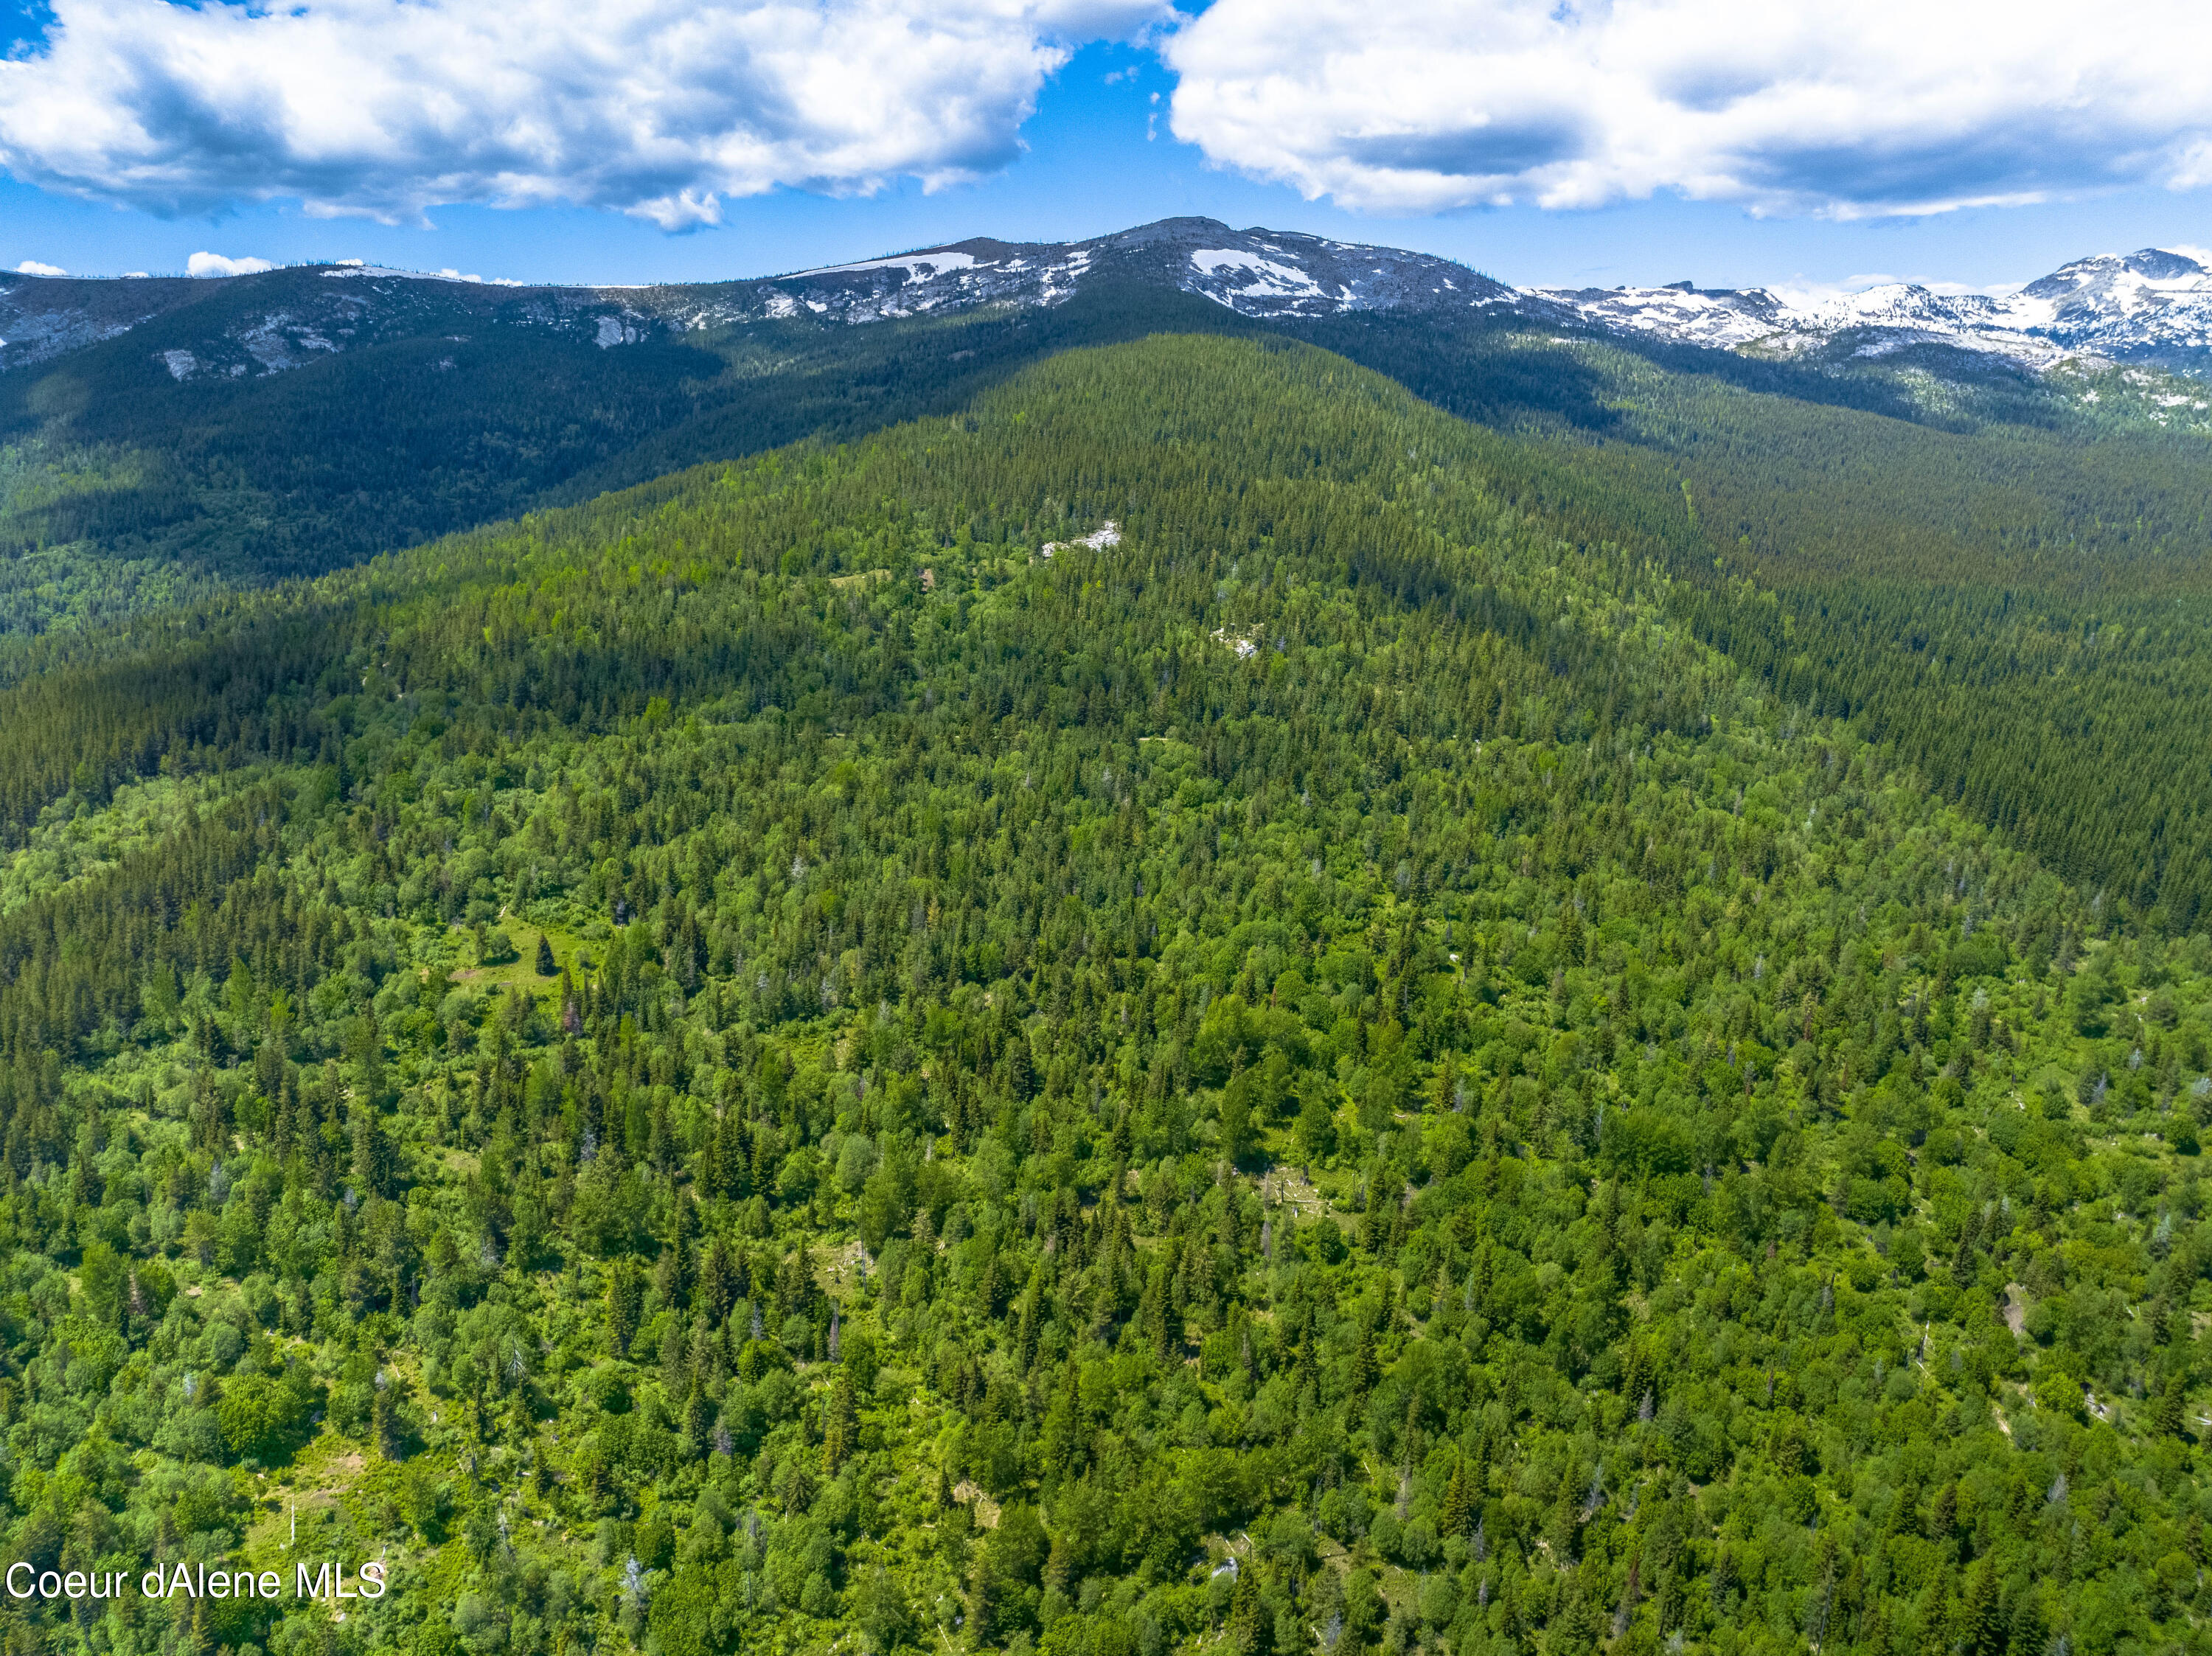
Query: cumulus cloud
x=664, y=108
x=214, y=265
x=32, y=267
x=1884, y=107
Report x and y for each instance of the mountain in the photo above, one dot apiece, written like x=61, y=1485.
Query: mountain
x=1812, y=503
x=160, y=438
x=276, y=321
x=2150, y=307
x=754, y=1067
x=1256, y=273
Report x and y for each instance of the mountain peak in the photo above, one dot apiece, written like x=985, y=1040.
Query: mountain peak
x=1255, y=272
x=2162, y=264
x=2154, y=304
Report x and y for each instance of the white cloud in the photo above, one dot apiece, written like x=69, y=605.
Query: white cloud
x=214, y=265
x=660, y=107
x=33, y=267
x=1884, y=107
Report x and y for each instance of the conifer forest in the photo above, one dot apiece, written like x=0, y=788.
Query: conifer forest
x=1198, y=989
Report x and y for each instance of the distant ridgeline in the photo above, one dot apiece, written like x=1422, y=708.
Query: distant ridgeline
x=755, y=1065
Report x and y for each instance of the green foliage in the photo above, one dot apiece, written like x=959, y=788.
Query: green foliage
x=1995, y=573
x=123, y=490
x=1469, y=1104
x=262, y=1416
x=2013, y=600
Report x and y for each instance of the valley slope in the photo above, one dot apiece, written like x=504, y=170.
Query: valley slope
x=817, y=1051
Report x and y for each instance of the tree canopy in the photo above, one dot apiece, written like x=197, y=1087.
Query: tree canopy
x=1166, y=1013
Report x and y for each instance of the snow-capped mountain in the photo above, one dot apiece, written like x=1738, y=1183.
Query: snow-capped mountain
x=278, y=319
x=201, y=330
x=1261, y=273
x=2144, y=302
x=2152, y=306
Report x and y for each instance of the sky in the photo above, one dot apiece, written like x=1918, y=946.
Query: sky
x=1808, y=147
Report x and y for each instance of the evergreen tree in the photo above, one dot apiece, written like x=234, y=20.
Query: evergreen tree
x=1460, y=1501
x=386, y=1431
x=2169, y=1413
x=837, y=1425
x=623, y=1293
x=1985, y=1629
x=1251, y=1627
x=372, y=1164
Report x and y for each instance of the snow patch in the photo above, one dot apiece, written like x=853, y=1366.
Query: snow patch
x=1271, y=280
x=919, y=267
x=1722, y=321
x=355, y=268
x=1097, y=540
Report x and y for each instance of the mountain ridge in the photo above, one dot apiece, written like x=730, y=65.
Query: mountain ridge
x=2152, y=306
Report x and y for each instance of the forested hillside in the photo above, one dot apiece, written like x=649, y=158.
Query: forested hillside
x=2003, y=577
x=823, y=1053
x=123, y=489
x=2023, y=613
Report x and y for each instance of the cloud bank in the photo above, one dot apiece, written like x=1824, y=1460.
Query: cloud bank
x=214, y=265
x=33, y=267
x=669, y=108
x=1882, y=107
x=664, y=108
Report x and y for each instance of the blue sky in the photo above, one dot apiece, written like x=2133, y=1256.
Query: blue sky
x=1100, y=151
